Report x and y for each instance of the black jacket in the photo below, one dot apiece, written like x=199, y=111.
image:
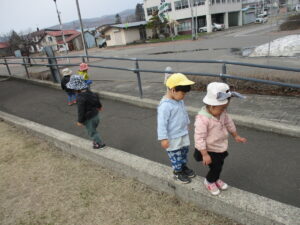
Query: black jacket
x=64, y=82
x=88, y=104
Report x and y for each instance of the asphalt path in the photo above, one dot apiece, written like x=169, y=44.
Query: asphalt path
x=267, y=165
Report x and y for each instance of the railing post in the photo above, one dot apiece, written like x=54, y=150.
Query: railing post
x=224, y=71
x=83, y=59
x=7, y=67
x=25, y=66
x=138, y=77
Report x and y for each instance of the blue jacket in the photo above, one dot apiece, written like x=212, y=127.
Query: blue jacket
x=172, y=119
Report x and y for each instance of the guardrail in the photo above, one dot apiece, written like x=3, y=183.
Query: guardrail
x=137, y=70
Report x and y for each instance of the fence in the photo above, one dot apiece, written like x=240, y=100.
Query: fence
x=137, y=70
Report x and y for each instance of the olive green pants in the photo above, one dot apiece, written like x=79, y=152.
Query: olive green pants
x=91, y=127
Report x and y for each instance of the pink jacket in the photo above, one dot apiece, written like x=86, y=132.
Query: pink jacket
x=211, y=134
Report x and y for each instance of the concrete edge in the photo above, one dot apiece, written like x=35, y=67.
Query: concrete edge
x=239, y=205
x=244, y=121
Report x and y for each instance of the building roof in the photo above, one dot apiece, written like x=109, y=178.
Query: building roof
x=4, y=45
x=70, y=38
x=128, y=25
x=59, y=33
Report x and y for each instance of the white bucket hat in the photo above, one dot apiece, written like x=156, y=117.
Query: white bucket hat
x=76, y=83
x=218, y=94
x=66, y=72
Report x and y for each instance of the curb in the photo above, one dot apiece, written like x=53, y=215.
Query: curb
x=245, y=121
x=241, y=206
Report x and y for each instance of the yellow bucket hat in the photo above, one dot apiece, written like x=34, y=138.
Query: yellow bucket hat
x=178, y=79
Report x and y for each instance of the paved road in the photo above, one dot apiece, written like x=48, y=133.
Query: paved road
x=268, y=165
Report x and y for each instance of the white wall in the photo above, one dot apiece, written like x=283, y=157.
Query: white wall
x=201, y=10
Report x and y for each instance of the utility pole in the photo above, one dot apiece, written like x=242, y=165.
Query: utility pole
x=193, y=25
x=82, y=34
x=62, y=31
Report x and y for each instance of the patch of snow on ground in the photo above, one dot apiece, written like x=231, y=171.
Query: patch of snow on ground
x=285, y=46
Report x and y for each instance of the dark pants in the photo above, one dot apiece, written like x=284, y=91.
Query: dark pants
x=91, y=126
x=215, y=168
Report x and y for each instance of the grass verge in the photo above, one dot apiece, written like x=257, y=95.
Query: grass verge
x=40, y=185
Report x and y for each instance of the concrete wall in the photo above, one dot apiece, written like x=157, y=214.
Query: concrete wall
x=116, y=37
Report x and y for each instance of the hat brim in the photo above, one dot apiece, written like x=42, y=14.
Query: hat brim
x=183, y=83
x=214, y=102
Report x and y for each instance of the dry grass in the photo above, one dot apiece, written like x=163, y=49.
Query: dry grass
x=248, y=87
x=292, y=23
x=41, y=185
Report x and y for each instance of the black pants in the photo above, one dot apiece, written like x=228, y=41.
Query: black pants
x=215, y=168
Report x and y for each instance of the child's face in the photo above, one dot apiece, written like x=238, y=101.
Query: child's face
x=217, y=110
x=177, y=95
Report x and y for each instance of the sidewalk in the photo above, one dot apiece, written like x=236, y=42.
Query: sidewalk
x=279, y=114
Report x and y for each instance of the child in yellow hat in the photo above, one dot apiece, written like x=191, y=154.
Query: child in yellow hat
x=172, y=125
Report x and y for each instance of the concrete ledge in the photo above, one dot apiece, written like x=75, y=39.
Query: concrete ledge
x=245, y=121
x=241, y=206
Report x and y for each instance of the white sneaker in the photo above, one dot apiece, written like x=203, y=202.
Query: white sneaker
x=212, y=187
x=221, y=185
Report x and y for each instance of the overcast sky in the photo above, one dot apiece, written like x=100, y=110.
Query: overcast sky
x=20, y=15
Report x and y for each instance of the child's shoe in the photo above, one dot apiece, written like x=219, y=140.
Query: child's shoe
x=221, y=185
x=98, y=145
x=180, y=175
x=212, y=187
x=189, y=172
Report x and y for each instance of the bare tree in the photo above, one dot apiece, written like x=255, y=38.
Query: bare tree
x=139, y=12
x=118, y=19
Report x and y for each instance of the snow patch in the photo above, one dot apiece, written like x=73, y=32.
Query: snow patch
x=285, y=46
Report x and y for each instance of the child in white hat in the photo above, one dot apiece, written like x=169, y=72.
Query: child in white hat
x=172, y=125
x=212, y=126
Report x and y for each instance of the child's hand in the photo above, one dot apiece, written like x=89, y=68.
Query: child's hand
x=164, y=143
x=79, y=124
x=206, y=159
x=240, y=139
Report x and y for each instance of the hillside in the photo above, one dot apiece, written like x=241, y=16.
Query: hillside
x=126, y=16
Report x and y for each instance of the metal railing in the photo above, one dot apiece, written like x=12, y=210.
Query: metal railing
x=137, y=70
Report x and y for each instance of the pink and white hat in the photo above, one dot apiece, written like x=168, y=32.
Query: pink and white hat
x=83, y=66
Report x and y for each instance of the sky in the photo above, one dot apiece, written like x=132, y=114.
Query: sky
x=22, y=15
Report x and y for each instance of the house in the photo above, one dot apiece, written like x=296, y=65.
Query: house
x=227, y=12
x=123, y=34
x=5, y=49
x=89, y=39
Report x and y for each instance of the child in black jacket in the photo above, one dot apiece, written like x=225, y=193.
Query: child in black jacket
x=71, y=93
x=89, y=105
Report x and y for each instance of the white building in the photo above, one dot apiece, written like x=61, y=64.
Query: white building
x=227, y=12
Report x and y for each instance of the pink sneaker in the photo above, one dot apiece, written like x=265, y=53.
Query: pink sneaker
x=212, y=187
x=221, y=185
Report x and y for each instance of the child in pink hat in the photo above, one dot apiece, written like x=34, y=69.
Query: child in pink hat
x=212, y=126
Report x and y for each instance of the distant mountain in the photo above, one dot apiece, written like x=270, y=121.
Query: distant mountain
x=126, y=16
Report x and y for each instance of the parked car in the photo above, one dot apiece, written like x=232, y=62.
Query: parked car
x=261, y=18
x=215, y=27
x=102, y=43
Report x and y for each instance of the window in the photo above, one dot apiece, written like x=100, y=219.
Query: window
x=50, y=39
x=151, y=10
x=183, y=4
x=107, y=37
x=169, y=7
x=185, y=26
x=198, y=2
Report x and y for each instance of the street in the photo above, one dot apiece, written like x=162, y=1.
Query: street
x=267, y=165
